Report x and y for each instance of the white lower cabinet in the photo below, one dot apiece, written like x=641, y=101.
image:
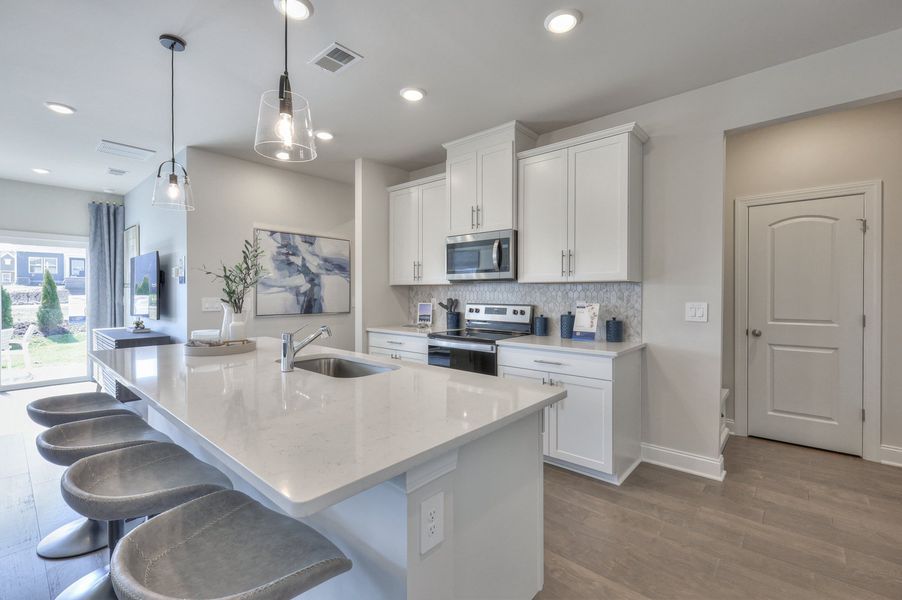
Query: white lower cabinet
x=400, y=355
x=413, y=348
x=596, y=429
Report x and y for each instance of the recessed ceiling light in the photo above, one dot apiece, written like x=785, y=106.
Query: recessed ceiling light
x=324, y=135
x=562, y=21
x=57, y=107
x=109, y=191
x=413, y=94
x=41, y=171
x=283, y=155
x=297, y=9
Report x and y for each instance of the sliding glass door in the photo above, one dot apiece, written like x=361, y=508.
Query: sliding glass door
x=44, y=329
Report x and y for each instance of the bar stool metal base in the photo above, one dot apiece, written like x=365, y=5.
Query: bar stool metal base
x=96, y=585
x=81, y=536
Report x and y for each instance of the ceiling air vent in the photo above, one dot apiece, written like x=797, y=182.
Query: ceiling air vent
x=336, y=58
x=116, y=172
x=124, y=150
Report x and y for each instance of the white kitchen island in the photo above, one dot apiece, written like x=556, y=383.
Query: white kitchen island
x=356, y=458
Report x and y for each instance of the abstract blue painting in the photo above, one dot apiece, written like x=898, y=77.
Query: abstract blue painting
x=307, y=274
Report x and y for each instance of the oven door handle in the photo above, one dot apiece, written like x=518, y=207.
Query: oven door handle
x=475, y=347
x=496, y=255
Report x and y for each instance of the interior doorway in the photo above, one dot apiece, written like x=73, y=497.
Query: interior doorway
x=44, y=333
x=807, y=285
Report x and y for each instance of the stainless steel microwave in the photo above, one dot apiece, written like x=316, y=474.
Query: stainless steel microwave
x=490, y=255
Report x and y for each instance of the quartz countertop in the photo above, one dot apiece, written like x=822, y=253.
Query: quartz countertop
x=404, y=330
x=307, y=441
x=556, y=343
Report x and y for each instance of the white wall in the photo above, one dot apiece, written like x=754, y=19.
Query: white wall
x=166, y=232
x=232, y=196
x=36, y=208
x=429, y=171
x=376, y=302
x=683, y=229
x=845, y=146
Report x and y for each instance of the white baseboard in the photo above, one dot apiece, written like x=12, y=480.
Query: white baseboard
x=724, y=435
x=891, y=455
x=612, y=479
x=731, y=425
x=694, y=464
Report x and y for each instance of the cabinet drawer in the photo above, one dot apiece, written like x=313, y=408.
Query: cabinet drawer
x=399, y=342
x=400, y=355
x=566, y=363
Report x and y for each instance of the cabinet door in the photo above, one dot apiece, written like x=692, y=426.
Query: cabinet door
x=581, y=424
x=495, y=187
x=434, y=232
x=461, y=189
x=404, y=233
x=536, y=377
x=599, y=209
x=542, y=189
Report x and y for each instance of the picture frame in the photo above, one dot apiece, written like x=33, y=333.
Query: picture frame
x=308, y=274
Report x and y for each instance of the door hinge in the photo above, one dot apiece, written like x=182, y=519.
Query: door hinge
x=864, y=225
x=862, y=414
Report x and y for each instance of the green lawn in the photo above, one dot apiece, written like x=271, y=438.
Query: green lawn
x=55, y=350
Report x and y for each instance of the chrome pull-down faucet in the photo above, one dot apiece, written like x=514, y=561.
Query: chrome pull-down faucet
x=290, y=348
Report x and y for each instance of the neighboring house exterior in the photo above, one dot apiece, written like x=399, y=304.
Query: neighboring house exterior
x=30, y=267
x=7, y=267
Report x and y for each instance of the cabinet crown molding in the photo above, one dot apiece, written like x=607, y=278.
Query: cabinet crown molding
x=509, y=127
x=416, y=182
x=632, y=128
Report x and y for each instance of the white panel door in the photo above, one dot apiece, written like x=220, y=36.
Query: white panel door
x=805, y=309
x=434, y=233
x=461, y=189
x=599, y=210
x=404, y=235
x=495, y=187
x=536, y=377
x=543, y=217
x=581, y=424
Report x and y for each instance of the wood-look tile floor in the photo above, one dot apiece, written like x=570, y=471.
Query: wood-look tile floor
x=787, y=523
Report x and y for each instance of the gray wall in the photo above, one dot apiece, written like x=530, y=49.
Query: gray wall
x=683, y=216
x=834, y=148
x=36, y=208
x=232, y=197
x=165, y=231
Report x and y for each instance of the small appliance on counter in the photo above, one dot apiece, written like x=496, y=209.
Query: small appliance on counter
x=540, y=326
x=567, y=322
x=473, y=348
x=613, y=330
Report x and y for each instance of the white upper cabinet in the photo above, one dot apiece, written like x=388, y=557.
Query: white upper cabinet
x=417, y=232
x=481, y=184
x=591, y=189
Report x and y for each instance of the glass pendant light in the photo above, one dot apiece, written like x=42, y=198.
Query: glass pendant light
x=284, y=125
x=172, y=189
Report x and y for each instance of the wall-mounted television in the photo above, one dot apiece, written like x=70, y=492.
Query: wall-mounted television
x=145, y=292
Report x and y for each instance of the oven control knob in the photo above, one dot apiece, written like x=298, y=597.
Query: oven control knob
x=469, y=310
x=477, y=310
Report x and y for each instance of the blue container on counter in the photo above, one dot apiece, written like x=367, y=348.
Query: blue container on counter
x=567, y=322
x=453, y=321
x=613, y=330
x=540, y=325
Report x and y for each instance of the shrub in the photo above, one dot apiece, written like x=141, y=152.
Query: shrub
x=50, y=315
x=6, y=300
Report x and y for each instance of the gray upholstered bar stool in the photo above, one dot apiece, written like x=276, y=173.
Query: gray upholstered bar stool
x=224, y=545
x=132, y=482
x=83, y=535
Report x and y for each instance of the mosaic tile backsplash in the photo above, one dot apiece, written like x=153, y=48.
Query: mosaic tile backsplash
x=621, y=300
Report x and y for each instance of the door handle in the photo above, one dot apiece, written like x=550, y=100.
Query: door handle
x=756, y=332
x=394, y=342
x=548, y=362
x=496, y=252
x=570, y=261
x=478, y=210
x=563, y=254
x=472, y=217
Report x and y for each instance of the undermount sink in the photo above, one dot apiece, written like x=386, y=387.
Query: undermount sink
x=334, y=366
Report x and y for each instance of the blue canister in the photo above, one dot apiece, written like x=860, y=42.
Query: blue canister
x=453, y=321
x=613, y=330
x=540, y=325
x=567, y=322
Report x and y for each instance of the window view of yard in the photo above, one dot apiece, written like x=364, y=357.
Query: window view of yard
x=43, y=335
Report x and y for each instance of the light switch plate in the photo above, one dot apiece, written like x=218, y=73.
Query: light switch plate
x=432, y=522
x=697, y=312
x=210, y=305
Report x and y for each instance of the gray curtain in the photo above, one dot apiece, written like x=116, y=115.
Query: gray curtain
x=106, y=254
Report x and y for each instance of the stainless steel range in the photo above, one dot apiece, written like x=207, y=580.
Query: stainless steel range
x=474, y=347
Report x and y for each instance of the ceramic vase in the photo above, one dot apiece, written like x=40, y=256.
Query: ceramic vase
x=227, y=315
x=238, y=327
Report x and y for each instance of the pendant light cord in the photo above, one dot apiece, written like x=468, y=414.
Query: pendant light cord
x=172, y=103
x=286, y=36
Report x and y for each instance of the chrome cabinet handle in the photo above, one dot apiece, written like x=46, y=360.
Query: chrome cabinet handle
x=563, y=254
x=472, y=217
x=548, y=362
x=478, y=210
x=394, y=342
x=756, y=332
x=570, y=261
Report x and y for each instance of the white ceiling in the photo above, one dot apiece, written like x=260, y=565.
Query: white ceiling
x=482, y=62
